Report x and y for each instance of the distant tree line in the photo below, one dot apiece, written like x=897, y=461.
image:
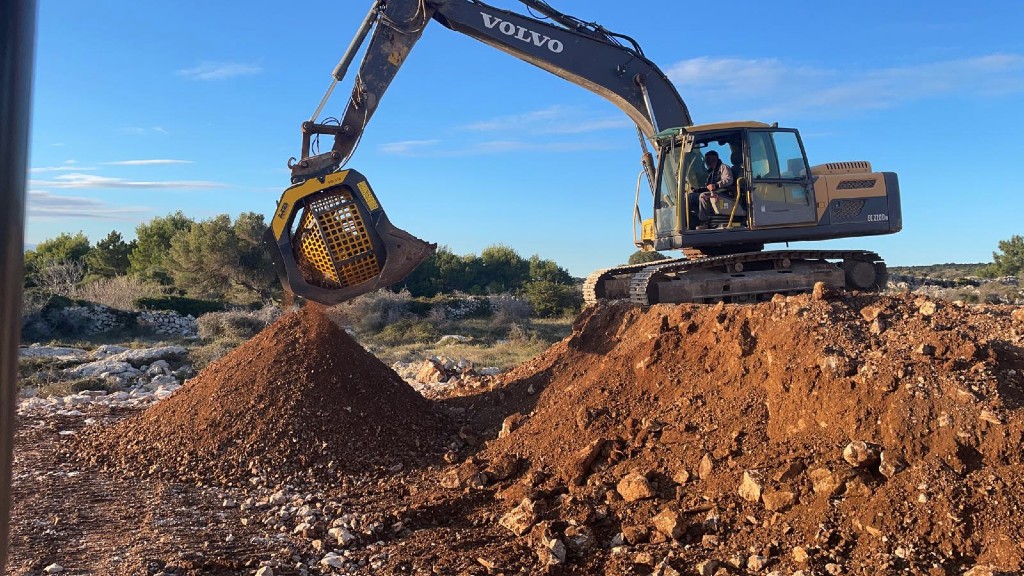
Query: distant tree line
x=498, y=269
x=224, y=259
x=216, y=258
x=1008, y=260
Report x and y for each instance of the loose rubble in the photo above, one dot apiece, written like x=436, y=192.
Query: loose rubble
x=797, y=436
x=133, y=378
x=301, y=399
x=806, y=428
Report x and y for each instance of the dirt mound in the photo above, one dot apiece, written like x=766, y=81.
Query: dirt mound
x=833, y=435
x=302, y=398
x=850, y=434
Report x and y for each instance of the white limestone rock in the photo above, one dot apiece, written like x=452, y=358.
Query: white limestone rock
x=140, y=356
x=106, y=351
x=104, y=368
x=55, y=352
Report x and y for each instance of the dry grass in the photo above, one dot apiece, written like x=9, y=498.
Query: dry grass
x=118, y=292
x=236, y=324
x=204, y=355
x=516, y=345
x=68, y=387
x=44, y=377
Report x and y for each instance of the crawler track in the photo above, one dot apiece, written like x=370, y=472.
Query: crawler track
x=610, y=283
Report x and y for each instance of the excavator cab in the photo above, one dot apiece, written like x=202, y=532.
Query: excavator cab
x=776, y=195
x=331, y=241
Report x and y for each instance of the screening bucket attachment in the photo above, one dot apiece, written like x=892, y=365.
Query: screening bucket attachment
x=331, y=241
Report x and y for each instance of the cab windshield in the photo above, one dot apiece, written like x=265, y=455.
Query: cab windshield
x=690, y=175
x=666, y=215
x=675, y=178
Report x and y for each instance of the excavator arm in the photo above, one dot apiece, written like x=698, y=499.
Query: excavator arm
x=329, y=238
x=585, y=54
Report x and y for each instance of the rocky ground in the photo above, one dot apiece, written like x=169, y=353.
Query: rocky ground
x=822, y=434
x=1005, y=290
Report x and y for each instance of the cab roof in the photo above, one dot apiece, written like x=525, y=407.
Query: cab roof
x=697, y=128
x=726, y=126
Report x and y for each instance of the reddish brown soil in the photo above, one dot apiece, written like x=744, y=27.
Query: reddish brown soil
x=301, y=399
x=773, y=391
x=778, y=389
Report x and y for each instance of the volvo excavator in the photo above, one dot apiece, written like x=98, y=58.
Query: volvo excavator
x=331, y=240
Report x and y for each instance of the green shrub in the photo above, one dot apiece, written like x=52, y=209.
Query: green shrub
x=550, y=299
x=641, y=257
x=407, y=332
x=180, y=304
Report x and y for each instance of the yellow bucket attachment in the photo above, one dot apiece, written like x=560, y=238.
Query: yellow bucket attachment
x=331, y=241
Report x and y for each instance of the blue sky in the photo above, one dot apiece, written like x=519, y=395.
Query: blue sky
x=144, y=108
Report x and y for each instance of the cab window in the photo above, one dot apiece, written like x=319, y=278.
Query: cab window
x=791, y=158
x=725, y=144
x=776, y=155
x=762, y=156
x=667, y=192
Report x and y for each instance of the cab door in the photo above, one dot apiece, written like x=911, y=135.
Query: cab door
x=781, y=189
x=670, y=213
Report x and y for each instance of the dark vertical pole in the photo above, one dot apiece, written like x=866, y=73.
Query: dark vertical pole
x=17, y=41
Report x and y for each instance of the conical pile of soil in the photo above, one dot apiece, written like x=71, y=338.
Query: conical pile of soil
x=695, y=433
x=300, y=399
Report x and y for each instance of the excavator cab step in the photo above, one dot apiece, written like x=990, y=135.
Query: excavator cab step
x=331, y=241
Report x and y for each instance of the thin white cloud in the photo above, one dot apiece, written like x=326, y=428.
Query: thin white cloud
x=518, y=133
x=220, y=70
x=518, y=121
x=737, y=77
x=152, y=162
x=556, y=119
x=406, y=147
x=77, y=180
x=588, y=125
x=69, y=166
x=437, y=149
x=141, y=131
x=770, y=86
x=47, y=206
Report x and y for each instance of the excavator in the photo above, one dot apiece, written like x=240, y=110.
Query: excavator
x=331, y=240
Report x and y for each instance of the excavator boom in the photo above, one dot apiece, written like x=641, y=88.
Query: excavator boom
x=590, y=57
x=333, y=254
x=331, y=240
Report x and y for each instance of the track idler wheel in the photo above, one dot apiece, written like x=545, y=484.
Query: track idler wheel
x=865, y=275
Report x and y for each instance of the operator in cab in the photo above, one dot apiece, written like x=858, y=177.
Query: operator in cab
x=719, y=181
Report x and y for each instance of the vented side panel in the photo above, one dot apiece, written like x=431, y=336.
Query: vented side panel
x=846, y=210
x=855, y=166
x=856, y=184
